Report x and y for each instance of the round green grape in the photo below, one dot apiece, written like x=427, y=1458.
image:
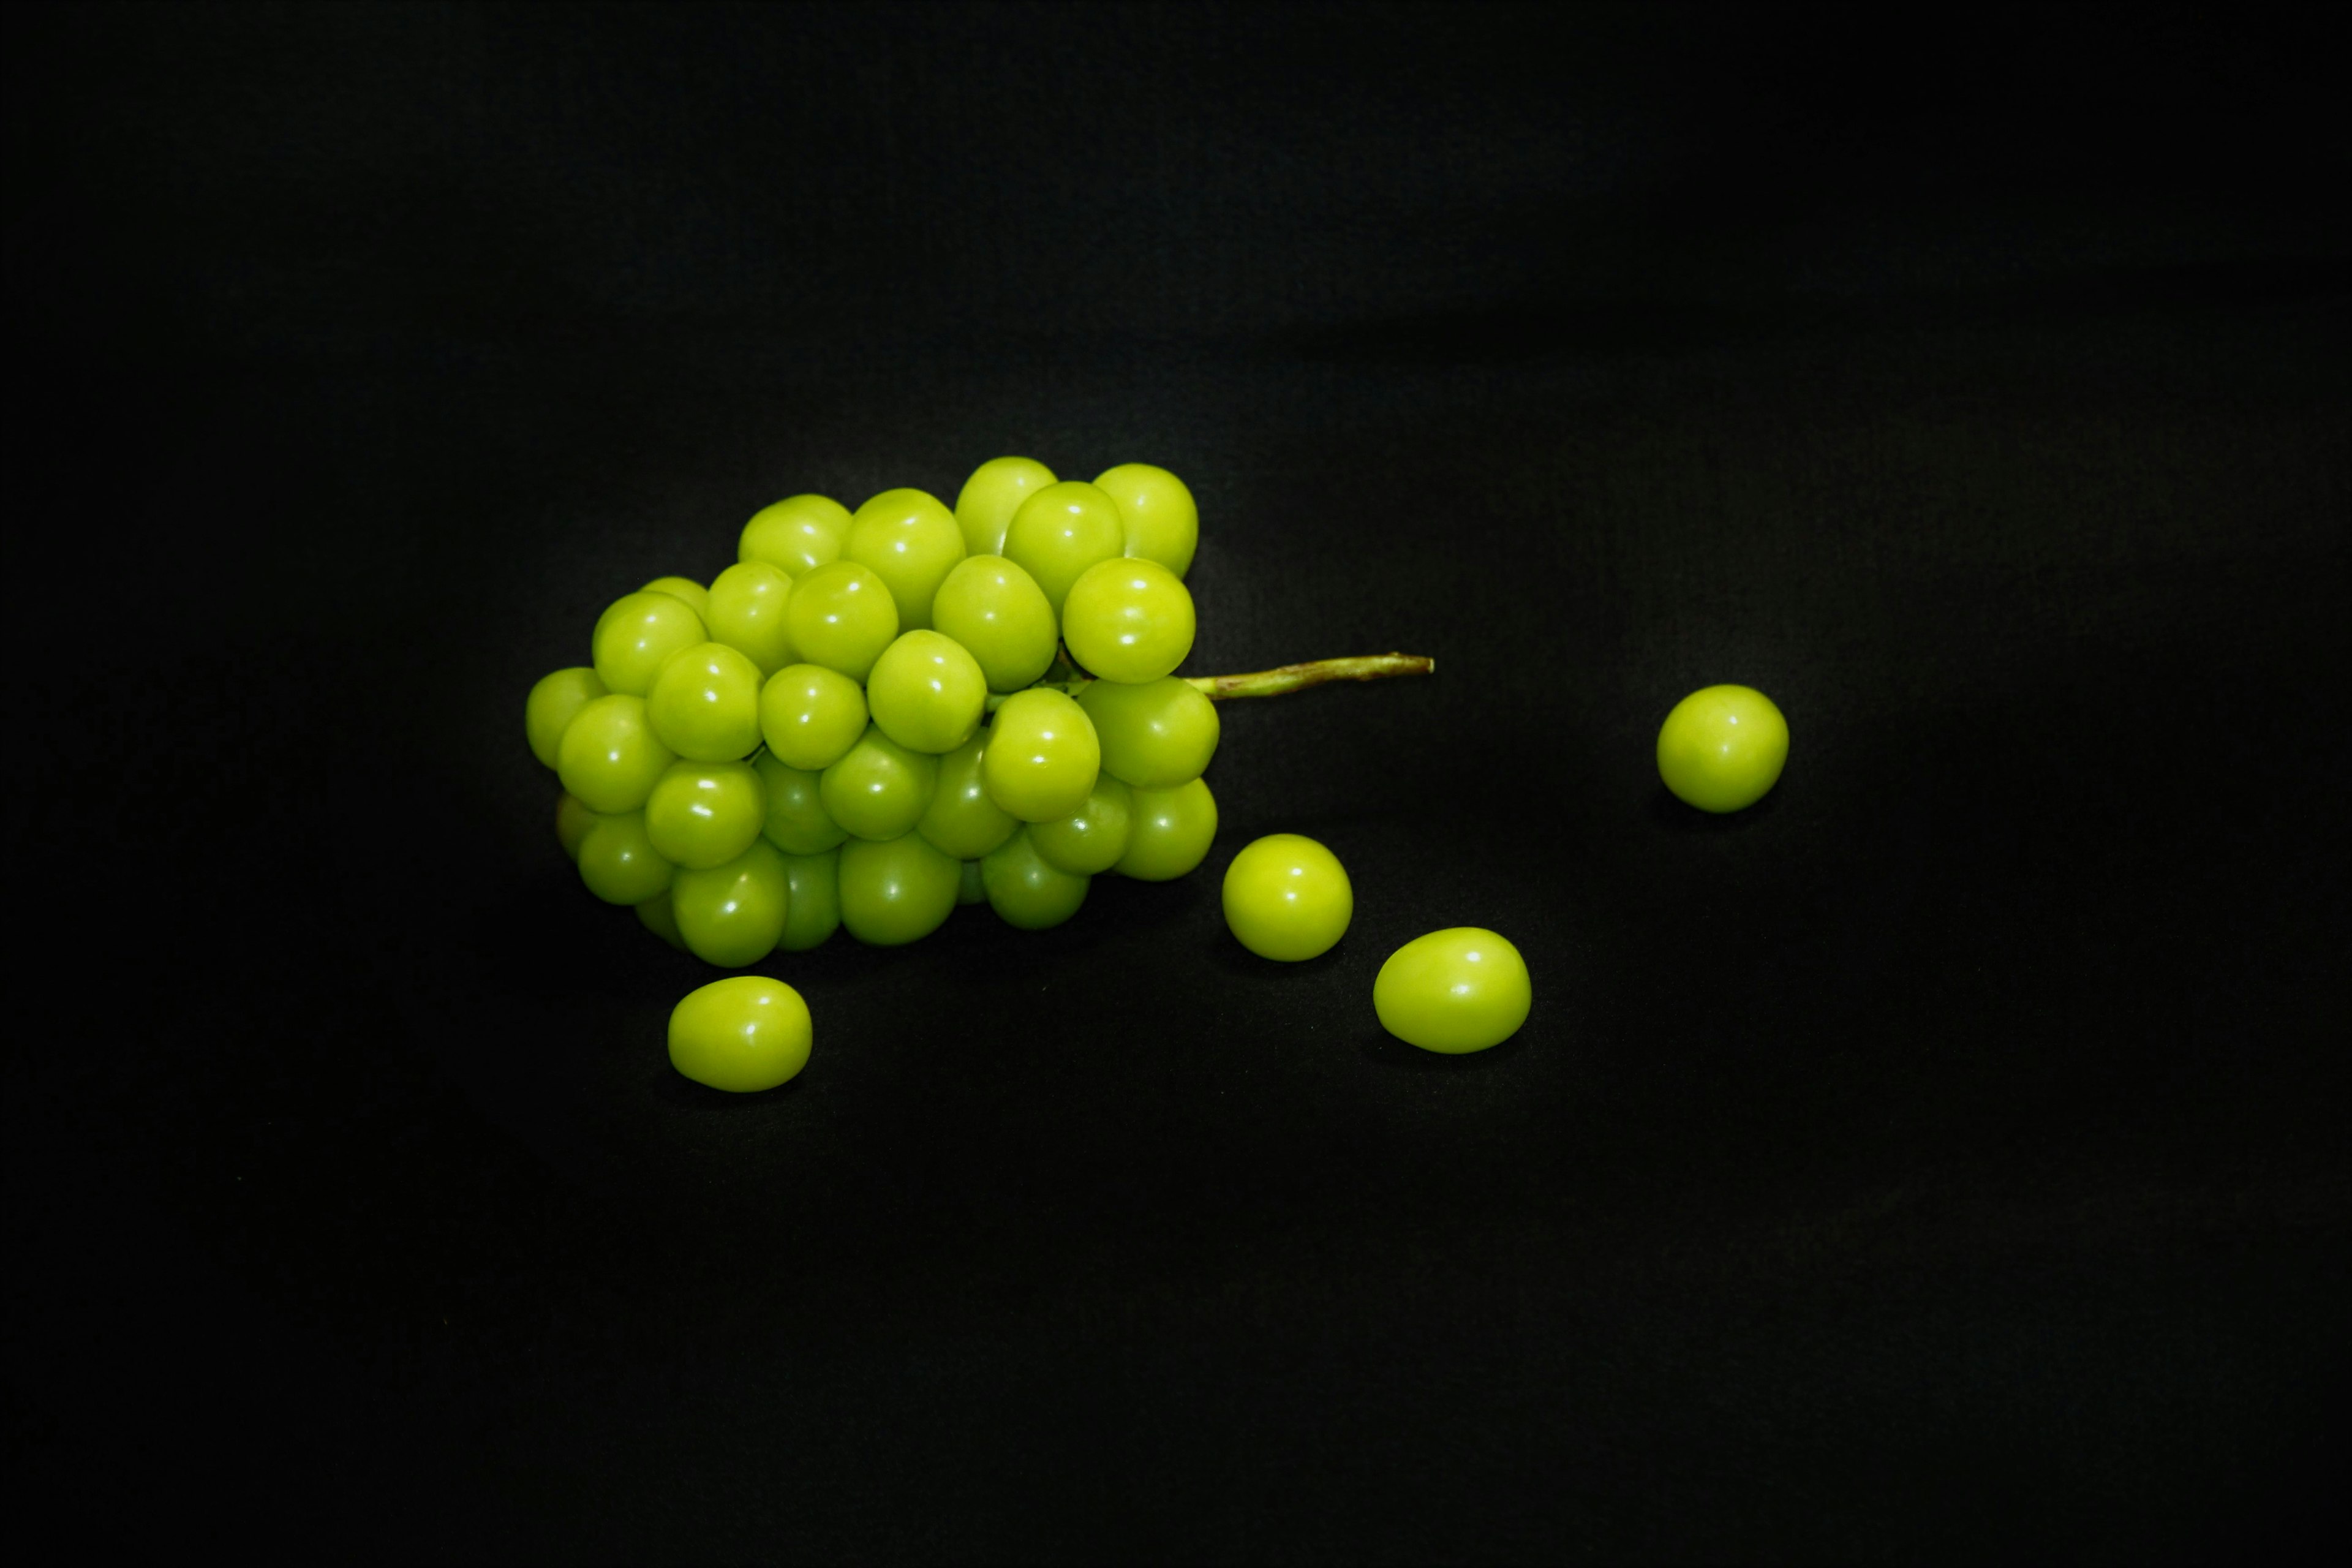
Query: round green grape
x=1287, y=897
x=611, y=757
x=1453, y=991
x=1129, y=621
x=705, y=814
x=897, y=891
x=635, y=635
x=1041, y=757
x=1162, y=523
x=841, y=616
x=1025, y=889
x=572, y=821
x=1060, y=531
x=962, y=820
x=743, y=1034
x=879, y=789
x=686, y=590
x=554, y=703
x=796, y=822
x=811, y=715
x=1154, y=736
x=1169, y=832
x=813, y=910
x=746, y=612
x=974, y=891
x=796, y=535
x=705, y=704
x=619, y=863
x=1723, y=747
x=1090, y=840
x=733, y=914
x=911, y=542
x=656, y=916
x=998, y=613
x=927, y=693
x=985, y=505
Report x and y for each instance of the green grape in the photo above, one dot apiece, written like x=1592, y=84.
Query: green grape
x=743, y=1034
x=656, y=916
x=555, y=701
x=1060, y=531
x=635, y=635
x=733, y=914
x=796, y=822
x=705, y=704
x=879, y=789
x=841, y=616
x=619, y=863
x=897, y=891
x=962, y=820
x=686, y=590
x=1090, y=840
x=1162, y=523
x=747, y=613
x=796, y=535
x=911, y=542
x=1041, y=757
x=813, y=912
x=1453, y=991
x=1287, y=897
x=985, y=505
x=572, y=821
x=1129, y=621
x=1154, y=736
x=927, y=693
x=1169, y=832
x=705, y=814
x=1723, y=747
x=1028, y=891
x=974, y=889
x=998, y=613
x=811, y=715
x=611, y=757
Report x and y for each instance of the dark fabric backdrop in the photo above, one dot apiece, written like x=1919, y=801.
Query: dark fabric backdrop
x=1945, y=1159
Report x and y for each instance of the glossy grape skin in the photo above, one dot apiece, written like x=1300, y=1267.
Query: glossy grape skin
x=962, y=820
x=746, y=612
x=686, y=590
x=611, y=757
x=656, y=916
x=911, y=542
x=796, y=822
x=1089, y=840
x=618, y=861
x=1163, y=523
x=974, y=889
x=554, y=703
x=985, y=505
x=1041, y=757
x=743, y=1034
x=1025, y=890
x=796, y=535
x=897, y=891
x=1153, y=736
x=927, y=693
x=636, y=636
x=1723, y=747
x=1287, y=897
x=1129, y=621
x=811, y=715
x=1059, y=532
x=879, y=790
x=1169, y=832
x=733, y=914
x=841, y=616
x=812, y=910
x=572, y=821
x=1000, y=617
x=1453, y=991
x=702, y=815
x=705, y=704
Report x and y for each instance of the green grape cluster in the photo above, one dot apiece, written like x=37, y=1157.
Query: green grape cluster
x=874, y=716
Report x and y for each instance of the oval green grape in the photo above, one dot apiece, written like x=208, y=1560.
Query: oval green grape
x=897, y=891
x=656, y=916
x=796, y=535
x=1000, y=614
x=702, y=815
x=619, y=863
x=1060, y=531
x=1169, y=832
x=746, y=612
x=734, y=914
x=1129, y=621
x=841, y=616
x=1025, y=889
x=685, y=590
x=811, y=715
x=1723, y=747
x=1453, y=991
x=985, y=505
x=744, y=1034
x=611, y=757
x=796, y=821
x=1153, y=736
x=554, y=702
x=1042, y=758
x=1163, y=523
x=813, y=908
x=973, y=890
x=636, y=636
x=572, y=821
x=1089, y=840
x=911, y=541
x=705, y=704
x=927, y=693
x=1287, y=897
x=879, y=789
x=962, y=820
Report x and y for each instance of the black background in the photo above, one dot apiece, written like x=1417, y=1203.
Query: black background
x=1945, y=1157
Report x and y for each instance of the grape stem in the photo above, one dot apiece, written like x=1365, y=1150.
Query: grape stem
x=1271, y=683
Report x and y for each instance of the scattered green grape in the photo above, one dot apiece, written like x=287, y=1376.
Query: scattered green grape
x=927, y=693
x=746, y=612
x=1042, y=756
x=796, y=822
x=897, y=891
x=610, y=756
x=1453, y=991
x=1060, y=531
x=985, y=505
x=636, y=635
x=1153, y=736
x=733, y=914
x=656, y=916
x=1723, y=747
x=1090, y=840
x=743, y=1034
x=911, y=542
x=572, y=821
x=879, y=789
x=702, y=815
x=619, y=863
x=974, y=891
x=841, y=616
x=1025, y=890
x=797, y=535
x=705, y=704
x=811, y=715
x=1000, y=614
x=962, y=820
x=1162, y=523
x=1287, y=897
x=686, y=590
x=813, y=910
x=1129, y=621
x=1169, y=832
x=555, y=701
